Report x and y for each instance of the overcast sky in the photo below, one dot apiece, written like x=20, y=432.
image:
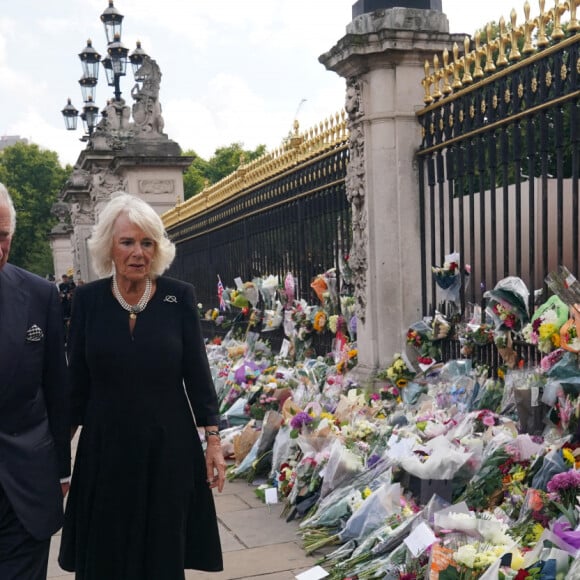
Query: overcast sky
x=232, y=70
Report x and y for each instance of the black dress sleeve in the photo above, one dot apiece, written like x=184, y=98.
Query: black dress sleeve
x=196, y=372
x=79, y=376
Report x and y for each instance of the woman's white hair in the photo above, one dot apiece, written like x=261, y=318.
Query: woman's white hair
x=142, y=215
x=6, y=201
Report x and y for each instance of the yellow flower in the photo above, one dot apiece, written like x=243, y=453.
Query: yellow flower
x=366, y=492
x=500, y=374
x=402, y=383
x=547, y=330
x=214, y=313
x=352, y=353
x=518, y=475
x=556, y=340
x=568, y=456
x=326, y=415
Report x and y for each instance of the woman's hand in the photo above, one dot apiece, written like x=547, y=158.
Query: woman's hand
x=215, y=463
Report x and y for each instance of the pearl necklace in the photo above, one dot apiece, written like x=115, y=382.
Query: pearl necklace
x=137, y=308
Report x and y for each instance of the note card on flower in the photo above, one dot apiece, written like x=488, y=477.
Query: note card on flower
x=313, y=574
x=420, y=539
x=271, y=495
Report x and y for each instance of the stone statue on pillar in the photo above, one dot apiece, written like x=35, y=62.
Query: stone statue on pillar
x=147, y=108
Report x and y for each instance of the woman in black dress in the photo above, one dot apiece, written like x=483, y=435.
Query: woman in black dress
x=140, y=505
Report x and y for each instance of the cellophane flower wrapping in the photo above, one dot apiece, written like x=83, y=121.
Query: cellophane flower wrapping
x=268, y=287
x=343, y=465
x=443, y=460
x=528, y=388
x=373, y=512
x=552, y=464
x=448, y=278
x=507, y=304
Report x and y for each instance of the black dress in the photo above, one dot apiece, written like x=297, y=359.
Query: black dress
x=139, y=506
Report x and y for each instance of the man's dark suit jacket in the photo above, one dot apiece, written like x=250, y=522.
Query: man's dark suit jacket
x=34, y=421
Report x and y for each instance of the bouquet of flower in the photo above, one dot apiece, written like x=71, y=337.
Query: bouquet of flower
x=447, y=275
x=258, y=408
x=420, y=336
x=398, y=373
x=565, y=488
x=507, y=304
x=544, y=328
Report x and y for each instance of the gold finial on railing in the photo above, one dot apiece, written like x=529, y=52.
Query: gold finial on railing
x=436, y=77
x=457, y=84
x=503, y=41
x=506, y=45
x=529, y=26
x=479, y=52
x=515, y=33
x=446, y=73
x=541, y=21
x=573, y=24
x=489, y=48
x=557, y=11
x=466, y=60
x=427, y=82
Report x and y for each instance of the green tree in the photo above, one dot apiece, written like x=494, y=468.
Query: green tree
x=195, y=178
x=224, y=161
x=34, y=178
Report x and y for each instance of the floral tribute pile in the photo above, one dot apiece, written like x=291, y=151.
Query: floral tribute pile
x=436, y=471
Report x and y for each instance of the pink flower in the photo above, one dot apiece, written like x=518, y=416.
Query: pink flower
x=488, y=420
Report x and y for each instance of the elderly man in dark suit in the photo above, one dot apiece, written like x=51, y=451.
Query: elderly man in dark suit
x=34, y=433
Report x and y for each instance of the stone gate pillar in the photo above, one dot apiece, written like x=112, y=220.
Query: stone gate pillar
x=382, y=58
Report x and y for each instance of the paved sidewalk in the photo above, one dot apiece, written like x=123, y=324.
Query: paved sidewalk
x=256, y=541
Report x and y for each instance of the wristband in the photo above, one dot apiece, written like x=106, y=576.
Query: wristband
x=214, y=433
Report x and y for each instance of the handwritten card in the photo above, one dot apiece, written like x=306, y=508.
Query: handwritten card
x=313, y=574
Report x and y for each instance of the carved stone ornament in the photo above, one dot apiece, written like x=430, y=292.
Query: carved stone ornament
x=355, y=192
x=104, y=184
x=156, y=186
x=81, y=211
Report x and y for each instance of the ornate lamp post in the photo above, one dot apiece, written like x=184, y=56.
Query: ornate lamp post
x=115, y=65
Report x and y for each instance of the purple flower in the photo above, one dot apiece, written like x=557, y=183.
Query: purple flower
x=563, y=481
x=352, y=324
x=373, y=460
x=300, y=419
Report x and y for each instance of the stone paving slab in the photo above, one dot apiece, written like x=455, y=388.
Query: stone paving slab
x=257, y=562
x=259, y=527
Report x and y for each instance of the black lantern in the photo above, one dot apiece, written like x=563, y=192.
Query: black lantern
x=89, y=116
x=90, y=61
x=108, y=66
x=88, y=87
x=136, y=57
x=113, y=21
x=70, y=115
x=118, y=55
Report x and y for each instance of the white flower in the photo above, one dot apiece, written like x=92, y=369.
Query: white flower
x=466, y=555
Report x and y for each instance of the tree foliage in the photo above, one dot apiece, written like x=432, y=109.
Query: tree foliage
x=224, y=161
x=34, y=178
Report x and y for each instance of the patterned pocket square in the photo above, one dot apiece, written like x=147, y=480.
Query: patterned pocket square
x=34, y=334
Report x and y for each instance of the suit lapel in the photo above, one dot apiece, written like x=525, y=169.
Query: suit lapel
x=14, y=301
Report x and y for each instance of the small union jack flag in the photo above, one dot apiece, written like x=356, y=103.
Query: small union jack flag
x=220, y=292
